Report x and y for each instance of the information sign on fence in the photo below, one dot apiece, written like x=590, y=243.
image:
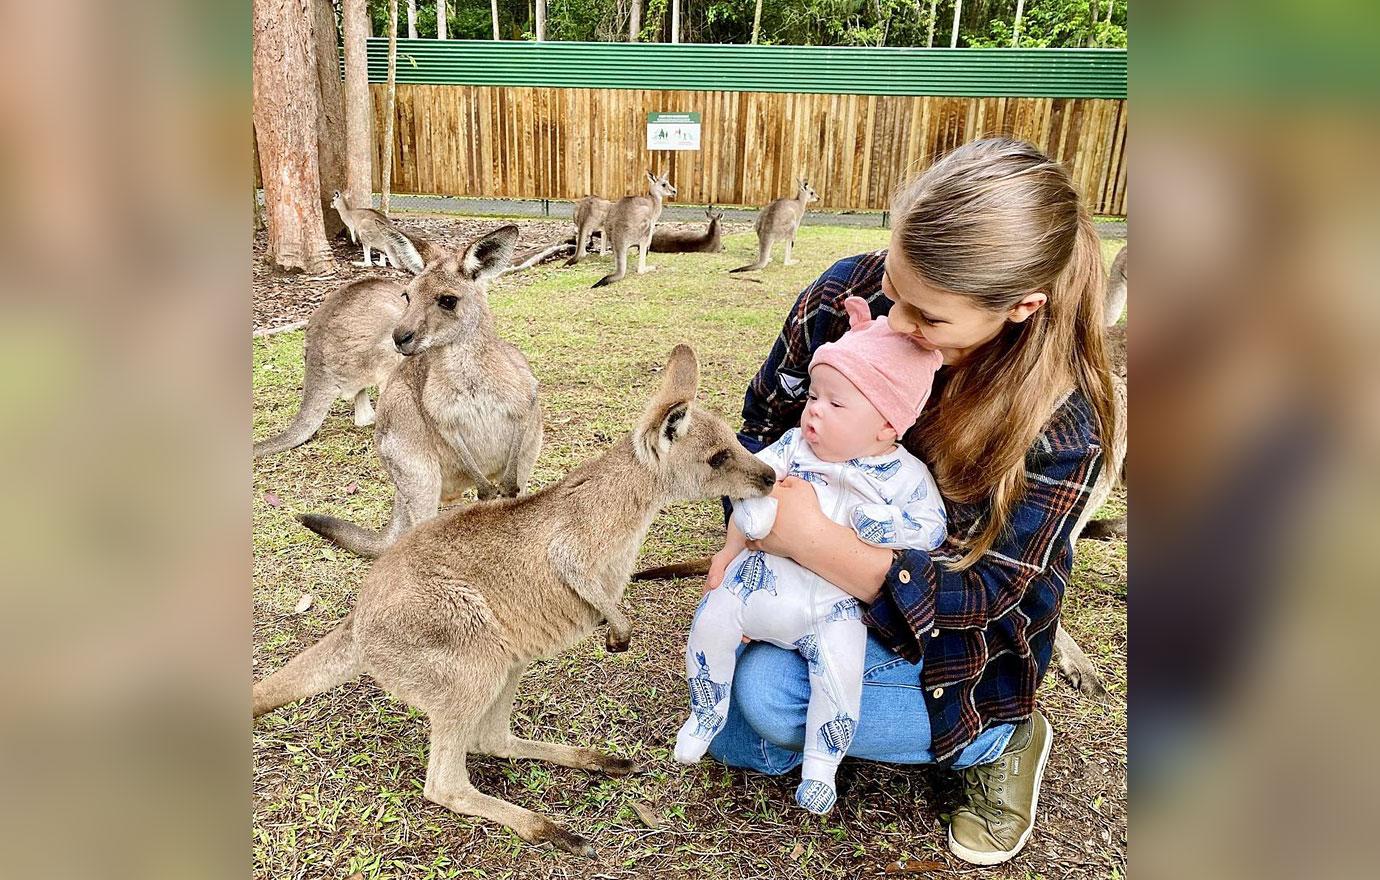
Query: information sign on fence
x=673, y=131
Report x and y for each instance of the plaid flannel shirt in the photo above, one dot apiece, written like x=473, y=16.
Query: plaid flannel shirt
x=985, y=634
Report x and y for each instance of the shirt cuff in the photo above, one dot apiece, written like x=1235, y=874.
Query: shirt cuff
x=904, y=608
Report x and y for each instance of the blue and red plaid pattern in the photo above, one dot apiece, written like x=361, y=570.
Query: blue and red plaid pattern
x=985, y=634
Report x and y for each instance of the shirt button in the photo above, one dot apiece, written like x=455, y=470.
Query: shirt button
x=903, y=577
x=938, y=692
x=935, y=633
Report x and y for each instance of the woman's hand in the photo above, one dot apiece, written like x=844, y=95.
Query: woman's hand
x=799, y=521
x=718, y=564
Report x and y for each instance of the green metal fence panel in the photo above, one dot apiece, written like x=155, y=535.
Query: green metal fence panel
x=1035, y=73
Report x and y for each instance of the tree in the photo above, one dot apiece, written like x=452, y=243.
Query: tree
x=286, y=108
x=756, y=22
x=635, y=21
x=1016, y=29
x=440, y=19
x=412, y=19
x=330, y=123
x=929, y=39
x=958, y=13
x=389, y=105
x=359, y=107
x=493, y=5
x=541, y=20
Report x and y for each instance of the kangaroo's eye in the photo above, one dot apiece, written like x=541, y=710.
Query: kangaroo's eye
x=446, y=301
x=718, y=459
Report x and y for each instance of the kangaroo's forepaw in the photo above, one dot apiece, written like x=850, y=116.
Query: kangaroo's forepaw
x=617, y=643
x=561, y=838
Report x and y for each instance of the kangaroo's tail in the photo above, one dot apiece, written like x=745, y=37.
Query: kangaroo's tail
x=316, y=403
x=324, y=665
x=692, y=568
x=357, y=539
x=404, y=250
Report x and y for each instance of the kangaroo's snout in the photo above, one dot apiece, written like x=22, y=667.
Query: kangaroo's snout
x=768, y=479
x=405, y=341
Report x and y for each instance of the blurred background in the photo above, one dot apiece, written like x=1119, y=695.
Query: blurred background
x=125, y=403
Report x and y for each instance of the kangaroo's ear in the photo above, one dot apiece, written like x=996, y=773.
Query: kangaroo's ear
x=650, y=175
x=488, y=256
x=667, y=416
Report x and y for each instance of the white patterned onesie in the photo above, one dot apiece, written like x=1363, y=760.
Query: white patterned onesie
x=891, y=501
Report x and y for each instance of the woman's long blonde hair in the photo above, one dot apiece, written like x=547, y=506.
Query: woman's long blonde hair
x=997, y=220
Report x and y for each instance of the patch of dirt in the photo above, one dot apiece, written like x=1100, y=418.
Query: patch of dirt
x=285, y=297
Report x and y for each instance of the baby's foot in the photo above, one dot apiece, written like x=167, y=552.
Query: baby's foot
x=689, y=748
x=816, y=796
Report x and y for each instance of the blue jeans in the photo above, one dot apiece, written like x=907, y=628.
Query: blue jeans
x=765, y=730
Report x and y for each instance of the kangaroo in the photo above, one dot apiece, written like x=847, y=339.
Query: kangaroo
x=349, y=347
x=449, y=619
x=684, y=241
x=779, y=222
x=1116, y=288
x=631, y=221
x=461, y=409
x=590, y=214
x=372, y=230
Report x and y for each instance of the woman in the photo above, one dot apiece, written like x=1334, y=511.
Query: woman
x=995, y=263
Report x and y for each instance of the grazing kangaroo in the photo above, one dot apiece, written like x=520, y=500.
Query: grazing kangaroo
x=1073, y=664
x=590, y=214
x=372, y=230
x=779, y=222
x=349, y=347
x=460, y=410
x=685, y=241
x=450, y=618
x=631, y=221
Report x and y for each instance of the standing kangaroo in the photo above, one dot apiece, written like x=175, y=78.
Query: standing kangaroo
x=779, y=222
x=685, y=241
x=451, y=617
x=461, y=409
x=349, y=347
x=631, y=221
x=372, y=230
x=590, y=214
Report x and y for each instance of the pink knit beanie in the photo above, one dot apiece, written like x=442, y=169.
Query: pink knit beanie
x=891, y=369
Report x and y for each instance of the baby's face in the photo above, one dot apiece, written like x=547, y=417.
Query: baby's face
x=839, y=423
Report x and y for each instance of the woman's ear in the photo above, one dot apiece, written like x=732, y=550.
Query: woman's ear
x=1029, y=305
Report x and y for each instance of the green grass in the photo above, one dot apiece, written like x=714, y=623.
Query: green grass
x=338, y=777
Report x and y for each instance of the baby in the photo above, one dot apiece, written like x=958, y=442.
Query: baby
x=865, y=391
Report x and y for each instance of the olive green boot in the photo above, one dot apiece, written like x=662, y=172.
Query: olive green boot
x=1002, y=796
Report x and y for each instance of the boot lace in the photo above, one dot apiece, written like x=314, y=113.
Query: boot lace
x=977, y=786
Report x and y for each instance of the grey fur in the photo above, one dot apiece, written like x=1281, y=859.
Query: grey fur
x=590, y=214
x=348, y=348
x=1116, y=288
x=779, y=221
x=460, y=410
x=372, y=230
x=631, y=221
x=682, y=241
x=449, y=619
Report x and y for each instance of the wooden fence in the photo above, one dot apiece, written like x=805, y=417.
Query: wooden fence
x=564, y=143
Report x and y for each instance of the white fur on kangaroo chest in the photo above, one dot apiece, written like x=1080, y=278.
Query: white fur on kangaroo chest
x=488, y=425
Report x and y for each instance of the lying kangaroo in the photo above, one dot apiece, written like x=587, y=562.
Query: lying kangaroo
x=590, y=214
x=373, y=230
x=461, y=409
x=349, y=347
x=448, y=620
x=684, y=241
x=631, y=221
x=779, y=222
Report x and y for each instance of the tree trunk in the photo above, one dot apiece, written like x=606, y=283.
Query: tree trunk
x=541, y=20
x=929, y=38
x=958, y=12
x=635, y=22
x=493, y=9
x=1092, y=23
x=756, y=21
x=389, y=102
x=1109, y=11
x=412, y=19
x=359, y=107
x=330, y=125
x=440, y=19
x=1016, y=30
x=675, y=21
x=286, y=106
